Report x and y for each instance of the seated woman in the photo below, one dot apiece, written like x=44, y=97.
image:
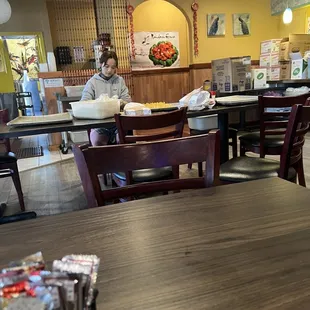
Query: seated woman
x=106, y=82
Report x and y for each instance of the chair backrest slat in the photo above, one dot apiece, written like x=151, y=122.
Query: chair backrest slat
x=275, y=119
x=294, y=141
x=275, y=132
x=94, y=161
x=127, y=124
x=153, y=137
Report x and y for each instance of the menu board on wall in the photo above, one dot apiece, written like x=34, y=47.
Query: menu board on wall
x=156, y=50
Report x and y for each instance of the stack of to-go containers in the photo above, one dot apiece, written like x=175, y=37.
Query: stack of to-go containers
x=269, y=69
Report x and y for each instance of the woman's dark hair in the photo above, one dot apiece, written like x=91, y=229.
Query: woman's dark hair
x=106, y=55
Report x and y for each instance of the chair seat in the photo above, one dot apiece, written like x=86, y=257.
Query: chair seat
x=232, y=132
x=7, y=158
x=253, y=139
x=147, y=175
x=243, y=169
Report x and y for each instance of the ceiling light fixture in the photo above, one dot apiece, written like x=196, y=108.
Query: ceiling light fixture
x=5, y=11
x=287, y=15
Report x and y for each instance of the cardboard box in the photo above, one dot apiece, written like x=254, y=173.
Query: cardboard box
x=259, y=78
x=270, y=46
x=275, y=73
x=285, y=72
x=269, y=60
x=299, y=67
x=231, y=74
x=296, y=43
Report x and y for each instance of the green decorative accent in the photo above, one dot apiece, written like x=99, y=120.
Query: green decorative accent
x=296, y=71
x=260, y=76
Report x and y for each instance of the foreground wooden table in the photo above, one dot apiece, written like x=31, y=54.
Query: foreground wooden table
x=244, y=246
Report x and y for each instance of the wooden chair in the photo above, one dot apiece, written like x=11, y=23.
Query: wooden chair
x=15, y=217
x=21, y=102
x=233, y=143
x=245, y=168
x=155, y=127
x=4, y=118
x=8, y=168
x=129, y=157
x=273, y=142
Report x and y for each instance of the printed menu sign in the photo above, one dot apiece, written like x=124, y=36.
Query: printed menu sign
x=51, y=83
x=156, y=50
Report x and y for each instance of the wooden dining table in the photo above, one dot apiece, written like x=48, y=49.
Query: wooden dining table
x=242, y=246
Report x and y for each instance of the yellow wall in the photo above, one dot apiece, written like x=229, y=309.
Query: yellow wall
x=298, y=24
x=263, y=27
x=6, y=78
x=159, y=15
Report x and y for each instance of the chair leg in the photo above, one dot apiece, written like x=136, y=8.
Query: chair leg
x=17, y=184
x=301, y=173
x=200, y=170
x=7, y=145
x=234, y=147
x=234, y=142
x=242, y=149
x=105, y=180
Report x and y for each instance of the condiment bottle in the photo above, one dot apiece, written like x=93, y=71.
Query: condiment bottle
x=207, y=85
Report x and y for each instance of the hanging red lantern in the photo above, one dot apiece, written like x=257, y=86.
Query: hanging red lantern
x=195, y=7
x=130, y=9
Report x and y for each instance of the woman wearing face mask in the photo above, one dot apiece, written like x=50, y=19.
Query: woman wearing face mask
x=106, y=82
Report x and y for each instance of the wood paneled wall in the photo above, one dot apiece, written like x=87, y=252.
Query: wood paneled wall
x=198, y=75
x=170, y=85
x=167, y=85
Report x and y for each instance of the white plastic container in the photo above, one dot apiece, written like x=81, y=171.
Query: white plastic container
x=74, y=91
x=207, y=122
x=78, y=136
x=95, y=109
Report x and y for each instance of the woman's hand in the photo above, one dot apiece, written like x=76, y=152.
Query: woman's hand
x=122, y=104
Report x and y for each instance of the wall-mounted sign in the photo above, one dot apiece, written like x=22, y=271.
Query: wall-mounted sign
x=156, y=50
x=53, y=83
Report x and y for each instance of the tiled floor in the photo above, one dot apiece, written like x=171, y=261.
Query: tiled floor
x=50, y=157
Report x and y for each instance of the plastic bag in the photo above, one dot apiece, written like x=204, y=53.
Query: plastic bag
x=198, y=99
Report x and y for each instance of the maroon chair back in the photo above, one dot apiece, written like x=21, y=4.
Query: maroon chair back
x=298, y=126
x=175, y=119
x=128, y=157
x=4, y=116
x=275, y=123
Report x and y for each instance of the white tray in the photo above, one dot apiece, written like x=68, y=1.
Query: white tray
x=40, y=120
x=236, y=100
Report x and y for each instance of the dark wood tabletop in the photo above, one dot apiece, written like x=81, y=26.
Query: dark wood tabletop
x=75, y=125
x=244, y=246
x=217, y=109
